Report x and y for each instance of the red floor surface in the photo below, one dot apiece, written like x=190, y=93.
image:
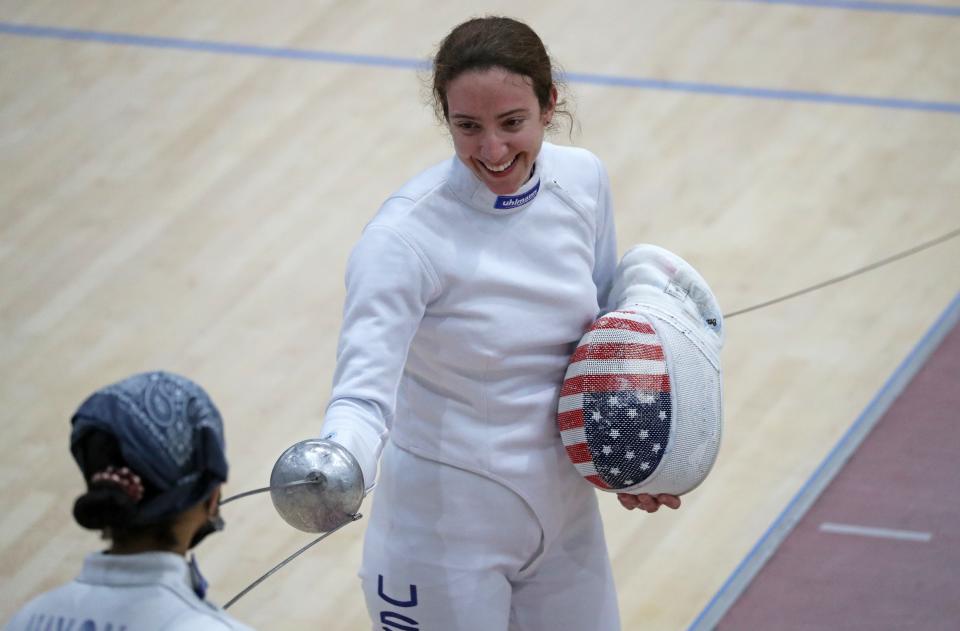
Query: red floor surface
x=905, y=476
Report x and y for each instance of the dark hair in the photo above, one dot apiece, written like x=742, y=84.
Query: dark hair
x=106, y=506
x=493, y=42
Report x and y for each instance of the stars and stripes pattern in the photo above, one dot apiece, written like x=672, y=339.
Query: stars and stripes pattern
x=615, y=409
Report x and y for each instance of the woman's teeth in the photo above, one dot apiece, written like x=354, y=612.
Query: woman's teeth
x=499, y=168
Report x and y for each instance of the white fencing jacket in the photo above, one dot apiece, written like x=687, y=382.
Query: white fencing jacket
x=461, y=312
x=151, y=591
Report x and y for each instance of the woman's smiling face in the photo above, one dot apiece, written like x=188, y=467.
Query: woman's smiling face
x=497, y=126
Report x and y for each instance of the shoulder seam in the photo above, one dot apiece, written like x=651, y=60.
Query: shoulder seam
x=589, y=219
x=600, y=219
x=421, y=256
x=417, y=200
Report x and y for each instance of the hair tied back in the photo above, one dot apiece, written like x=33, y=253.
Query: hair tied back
x=123, y=477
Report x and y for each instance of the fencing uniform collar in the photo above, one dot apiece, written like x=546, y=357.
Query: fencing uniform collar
x=469, y=189
x=166, y=568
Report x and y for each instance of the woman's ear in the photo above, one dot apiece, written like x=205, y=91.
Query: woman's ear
x=547, y=115
x=213, y=502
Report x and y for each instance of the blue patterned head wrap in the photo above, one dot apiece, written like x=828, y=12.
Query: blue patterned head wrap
x=169, y=432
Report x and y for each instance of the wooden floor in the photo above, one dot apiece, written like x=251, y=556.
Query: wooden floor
x=180, y=184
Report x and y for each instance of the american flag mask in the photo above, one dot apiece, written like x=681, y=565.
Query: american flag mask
x=640, y=405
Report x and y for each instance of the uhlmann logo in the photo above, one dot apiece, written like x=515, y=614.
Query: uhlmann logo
x=508, y=201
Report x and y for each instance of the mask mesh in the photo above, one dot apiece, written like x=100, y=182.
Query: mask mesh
x=640, y=406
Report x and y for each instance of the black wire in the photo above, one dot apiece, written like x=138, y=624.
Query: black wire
x=856, y=272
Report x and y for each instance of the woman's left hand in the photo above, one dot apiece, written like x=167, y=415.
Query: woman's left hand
x=647, y=502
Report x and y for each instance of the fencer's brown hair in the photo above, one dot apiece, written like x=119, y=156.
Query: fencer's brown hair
x=494, y=42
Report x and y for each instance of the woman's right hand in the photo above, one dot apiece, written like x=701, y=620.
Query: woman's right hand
x=647, y=502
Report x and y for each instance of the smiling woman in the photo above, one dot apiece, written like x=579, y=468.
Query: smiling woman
x=497, y=126
x=493, y=85
x=466, y=295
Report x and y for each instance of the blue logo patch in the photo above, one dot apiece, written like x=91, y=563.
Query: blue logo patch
x=515, y=201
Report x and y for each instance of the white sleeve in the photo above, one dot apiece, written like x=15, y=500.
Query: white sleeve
x=389, y=284
x=605, y=248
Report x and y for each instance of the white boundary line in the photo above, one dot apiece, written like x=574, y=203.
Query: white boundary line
x=879, y=533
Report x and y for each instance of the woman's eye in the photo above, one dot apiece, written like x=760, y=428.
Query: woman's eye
x=467, y=125
x=513, y=123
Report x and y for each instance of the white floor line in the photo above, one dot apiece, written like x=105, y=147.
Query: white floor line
x=880, y=533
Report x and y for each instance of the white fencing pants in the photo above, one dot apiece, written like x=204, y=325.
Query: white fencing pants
x=450, y=550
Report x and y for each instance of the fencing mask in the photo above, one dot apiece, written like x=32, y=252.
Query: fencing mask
x=640, y=408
